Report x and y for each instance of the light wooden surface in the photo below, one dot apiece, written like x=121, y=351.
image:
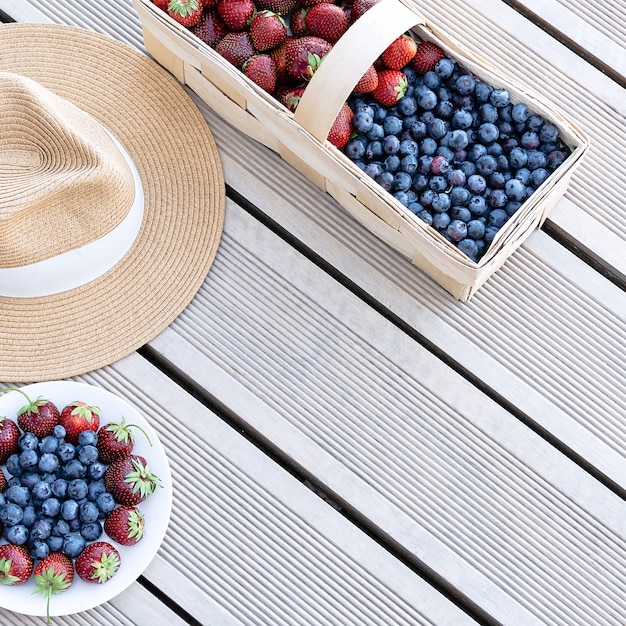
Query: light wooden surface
x=367, y=450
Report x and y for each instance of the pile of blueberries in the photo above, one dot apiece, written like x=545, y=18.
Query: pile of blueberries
x=456, y=152
x=56, y=499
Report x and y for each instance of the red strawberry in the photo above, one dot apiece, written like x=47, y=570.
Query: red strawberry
x=284, y=7
x=341, y=129
x=426, y=57
x=290, y=96
x=129, y=480
x=162, y=4
x=98, y=562
x=210, y=28
x=116, y=440
x=3, y=481
x=360, y=6
x=52, y=576
x=236, y=48
x=280, y=59
x=310, y=3
x=327, y=21
x=185, y=12
x=16, y=566
x=399, y=52
x=125, y=524
x=368, y=82
x=392, y=85
x=297, y=23
x=261, y=69
x=267, y=30
x=236, y=13
x=9, y=436
x=76, y=417
x=304, y=55
x=38, y=416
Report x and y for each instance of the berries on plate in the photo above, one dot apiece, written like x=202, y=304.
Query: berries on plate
x=77, y=417
x=16, y=566
x=53, y=575
x=125, y=525
x=98, y=562
x=129, y=480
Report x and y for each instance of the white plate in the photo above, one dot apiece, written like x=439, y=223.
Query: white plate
x=82, y=596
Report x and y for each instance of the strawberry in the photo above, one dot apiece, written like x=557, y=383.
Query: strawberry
x=280, y=59
x=368, y=82
x=359, y=7
x=327, y=21
x=38, y=416
x=76, y=417
x=341, y=129
x=310, y=3
x=297, y=23
x=261, y=69
x=116, y=440
x=399, y=52
x=125, y=525
x=236, y=13
x=98, y=562
x=9, y=436
x=236, y=48
x=129, y=480
x=162, y=4
x=290, y=96
x=304, y=55
x=210, y=28
x=3, y=481
x=267, y=30
x=284, y=7
x=16, y=566
x=185, y=12
x=426, y=57
x=392, y=85
x=53, y=575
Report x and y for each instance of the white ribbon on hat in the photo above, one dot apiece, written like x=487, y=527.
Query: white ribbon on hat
x=82, y=265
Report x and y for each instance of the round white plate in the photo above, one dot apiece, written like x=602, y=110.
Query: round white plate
x=82, y=596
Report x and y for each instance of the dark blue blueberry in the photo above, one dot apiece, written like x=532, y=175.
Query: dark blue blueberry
x=497, y=199
x=60, y=528
x=445, y=109
x=427, y=197
x=29, y=516
x=73, y=545
x=13, y=465
x=408, y=146
x=74, y=469
x=425, y=216
x=401, y=181
x=55, y=543
x=28, y=441
x=391, y=144
x=438, y=183
x=354, y=149
x=441, y=221
x=538, y=176
x=444, y=68
x=523, y=175
x=486, y=165
x=488, y=132
x=374, y=151
x=459, y=196
x=376, y=132
x=530, y=140
x=49, y=462
x=534, y=122
x=362, y=123
x=407, y=105
x=458, y=139
x=41, y=490
x=392, y=125
x=385, y=180
x=476, y=184
x=446, y=153
x=512, y=206
x=420, y=181
x=497, y=218
x=402, y=197
x=468, y=168
x=59, y=431
x=89, y=512
x=14, y=481
x=500, y=97
x=475, y=229
x=18, y=494
x=88, y=438
x=66, y=452
x=488, y=113
x=49, y=444
x=457, y=230
x=77, y=489
x=415, y=207
x=17, y=534
x=477, y=205
x=426, y=98
x=556, y=158
x=515, y=189
x=437, y=128
x=476, y=151
x=469, y=248
x=483, y=91
x=39, y=549
x=441, y=203
x=418, y=130
x=428, y=146
x=462, y=120
x=536, y=159
x=431, y=80
x=408, y=164
x=456, y=177
x=391, y=163
x=106, y=502
x=498, y=179
x=494, y=149
x=519, y=113
x=69, y=510
x=95, y=488
x=59, y=488
x=518, y=157
x=465, y=84
x=91, y=531
x=373, y=170
x=460, y=213
x=40, y=530
x=50, y=507
x=87, y=454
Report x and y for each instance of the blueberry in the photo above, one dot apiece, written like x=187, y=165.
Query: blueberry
x=458, y=139
x=373, y=151
x=555, y=158
x=77, y=489
x=29, y=516
x=17, y=534
x=437, y=128
x=460, y=213
x=456, y=178
x=445, y=109
x=457, y=230
x=469, y=248
x=536, y=159
x=497, y=218
x=518, y=157
x=391, y=163
x=475, y=229
x=60, y=528
x=523, y=175
x=354, y=149
x=385, y=180
x=105, y=502
x=66, y=452
x=486, y=164
x=498, y=179
x=391, y=144
x=444, y=68
x=441, y=221
x=426, y=99
x=402, y=197
x=88, y=438
x=373, y=170
x=465, y=84
x=497, y=199
x=476, y=151
x=73, y=545
x=488, y=132
x=530, y=140
x=468, y=168
x=500, y=97
x=512, y=206
x=488, y=113
x=55, y=543
x=87, y=454
x=50, y=507
x=408, y=146
x=40, y=530
x=519, y=112
x=534, y=122
x=48, y=462
x=428, y=146
x=431, y=80
x=459, y=196
x=441, y=203
x=438, y=184
x=420, y=181
x=49, y=444
x=418, y=130
x=41, y=490
x=515, y=189
x=477, y=205
x=28, y=441
x=476, y=184
x=74, y=469
x=407, y=105
x=461, y=120
x=538, y=176
x=424, y=215
x=408, y=164
x=69, y=510
x=376, y=132
x=89, y=512
x=59, y=431
x=483, y=91
x=401, y=181
x=28, y=459
x=18, y=494
x=91, y=531
x=39, y=549
x=13, y=465
x=59, y=488
x=362, y=123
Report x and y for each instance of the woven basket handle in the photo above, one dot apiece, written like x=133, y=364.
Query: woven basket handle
x=349, y=59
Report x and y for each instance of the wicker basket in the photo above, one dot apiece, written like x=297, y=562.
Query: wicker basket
x=300, y=137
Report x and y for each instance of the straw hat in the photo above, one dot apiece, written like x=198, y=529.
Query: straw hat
x=111, y=201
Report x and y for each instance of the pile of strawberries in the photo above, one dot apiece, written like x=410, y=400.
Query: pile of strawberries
x=279, y=44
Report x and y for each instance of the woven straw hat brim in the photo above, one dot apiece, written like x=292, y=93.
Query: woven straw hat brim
x=174, y=152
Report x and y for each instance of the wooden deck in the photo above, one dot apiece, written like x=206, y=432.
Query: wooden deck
x=367, y=449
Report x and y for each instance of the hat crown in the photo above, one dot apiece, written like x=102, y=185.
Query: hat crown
x=63, y=181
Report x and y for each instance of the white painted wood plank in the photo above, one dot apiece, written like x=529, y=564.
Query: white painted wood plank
x=599, y=27
x=414, y=448
x=248, y=543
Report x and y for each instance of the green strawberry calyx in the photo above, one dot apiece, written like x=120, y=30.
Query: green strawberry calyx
x=49, y=583
x=105, y=567
x=135, y=525
x=6, y=578
x=142, y=479
x=183, y=7
x=122, y=431
x=32, y=406
x=84, y=411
